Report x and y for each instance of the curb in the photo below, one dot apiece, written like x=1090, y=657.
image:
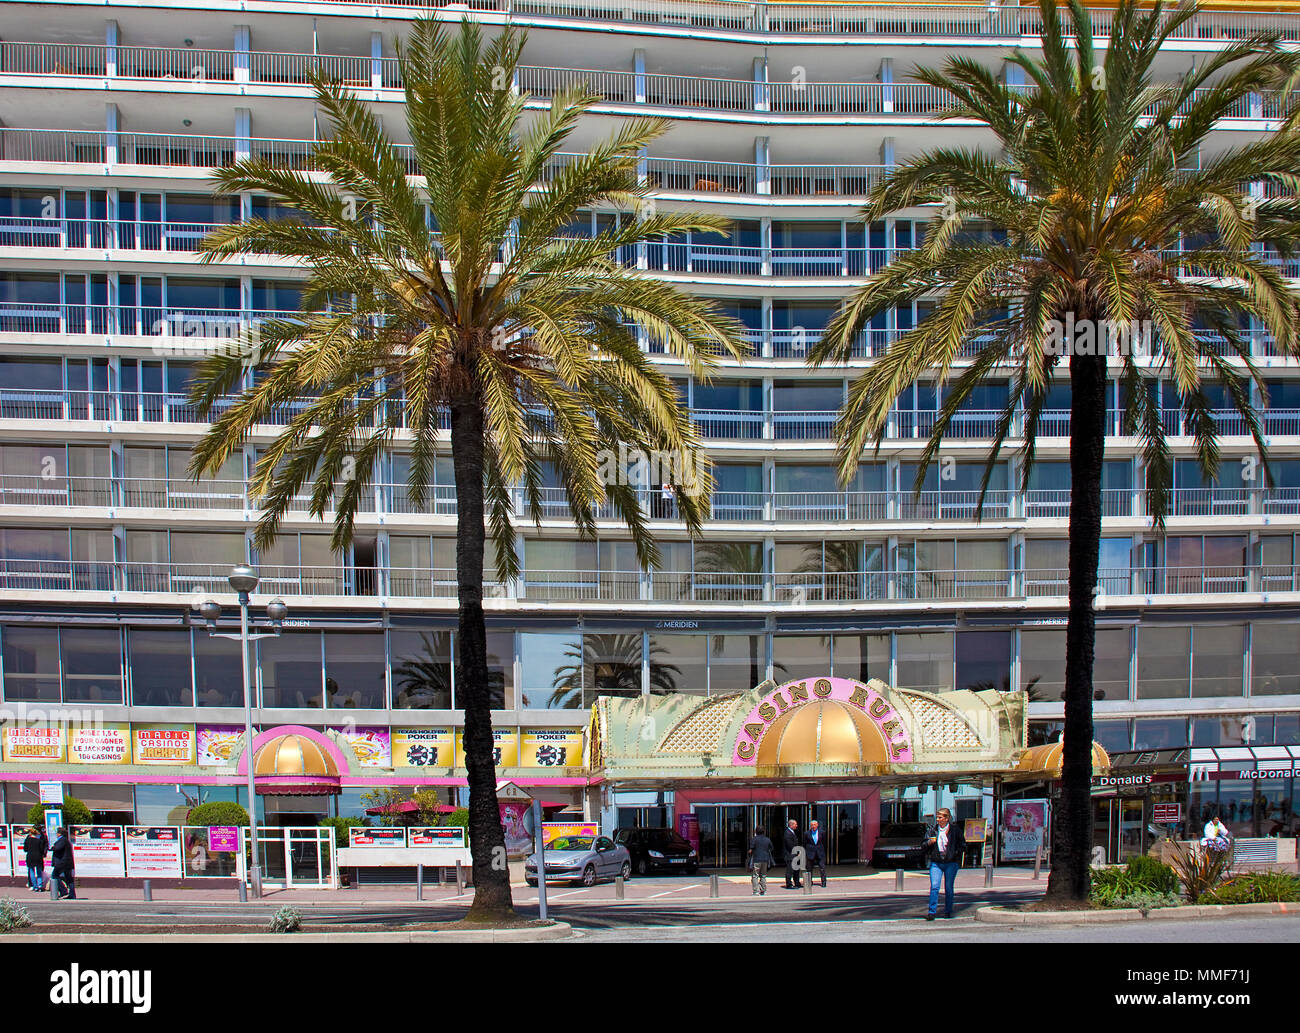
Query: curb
x=558, y=931
x=999, y=916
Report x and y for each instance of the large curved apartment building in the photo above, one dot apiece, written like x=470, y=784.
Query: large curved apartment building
x=112, y=116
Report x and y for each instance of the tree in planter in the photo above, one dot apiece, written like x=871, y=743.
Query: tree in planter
x=75, y=812
x=217, y=813
x=498, y=324
x=1102, y=175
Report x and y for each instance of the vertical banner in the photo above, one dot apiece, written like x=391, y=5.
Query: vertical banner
x=689, y=827
x=153, y=851
x=98, y=852
x=514, y=813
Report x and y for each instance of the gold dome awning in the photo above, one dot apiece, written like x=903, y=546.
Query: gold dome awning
x=293, y=754
x=825, y=732
x=1047, y=759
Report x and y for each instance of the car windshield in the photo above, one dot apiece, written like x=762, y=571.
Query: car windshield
x=904, y=830
x=570, y=843
x=664, y=837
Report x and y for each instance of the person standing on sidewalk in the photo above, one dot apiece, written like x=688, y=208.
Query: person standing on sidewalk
x=815, y=843
x=760, y=859
x=943, y=850
x=63, y=873
x=35, y=847
x=795, y=859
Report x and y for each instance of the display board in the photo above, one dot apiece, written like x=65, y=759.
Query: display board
x=153, y=851
x=98, y=851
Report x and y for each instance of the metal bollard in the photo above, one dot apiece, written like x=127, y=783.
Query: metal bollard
x=807, y=882
x=1038, y=861
x=713, y=885
x=988, y=876
x=460, y=879
x=148, y=890
x=898, y=880
x=618, y=887
x=54, y=889
x=243, y=892
x=419, y=882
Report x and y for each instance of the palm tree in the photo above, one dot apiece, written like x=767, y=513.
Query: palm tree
x=525, y=338
x=1101, y=170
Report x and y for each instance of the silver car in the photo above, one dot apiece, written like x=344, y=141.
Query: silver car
x=584, y=859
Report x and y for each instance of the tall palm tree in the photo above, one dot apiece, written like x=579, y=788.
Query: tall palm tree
x=526, y=337
x=1101, y=169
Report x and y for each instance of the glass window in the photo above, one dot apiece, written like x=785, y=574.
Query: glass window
x=421, y=669
x=1217, y=731
x=984, y=660
x=1041, y=733
x=613, y=665
x=1113, y=735
x=31, y=664
x=552, y=667
x=1164, y=662
x=730, y=396
x=1217, y=654
x=1274, y=646
x=218, y=672
x=354, y=670
x=92, y=665
x=501, y=669
x=1042, y=663
x=861, y=657
x=164, y=804
x=160, y=667
x=800, y=656
x=925, y=661
x=679, y=663
x=807, y=396
x=1160, y=733
x=1110, y=664
x=737, y=663
x=291, y=670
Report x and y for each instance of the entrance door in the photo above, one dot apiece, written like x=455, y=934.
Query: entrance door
x=842, y=824
x=1132, y=827
x=722, y=835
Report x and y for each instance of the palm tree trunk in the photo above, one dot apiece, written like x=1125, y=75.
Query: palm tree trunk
x=487, y=841
x=1069, y=879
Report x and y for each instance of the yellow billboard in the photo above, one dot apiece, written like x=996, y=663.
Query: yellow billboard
x=550, y=748
x=107, y=744
x=505, y=748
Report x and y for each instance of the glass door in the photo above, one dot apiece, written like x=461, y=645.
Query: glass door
x=842, y=823
x=724, y=836
x=1132, y=828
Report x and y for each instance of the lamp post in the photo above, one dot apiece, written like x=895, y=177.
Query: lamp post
x=243, y=579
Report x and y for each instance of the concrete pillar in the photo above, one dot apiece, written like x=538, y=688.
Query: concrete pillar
x=762, y=95
x=887, y=157
x=886, y=79
x=112, y=126
x=763, y=164
x=638, y=74
x=376, y=61
x=112, y=36
x=243, y=133
x=243, y=38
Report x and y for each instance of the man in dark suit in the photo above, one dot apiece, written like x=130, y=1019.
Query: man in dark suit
x=944, y=846
x=760, y=859
x=794, y=856
x=815, y=844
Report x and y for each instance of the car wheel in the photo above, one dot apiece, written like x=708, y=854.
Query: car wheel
x=589, y=875
x=643, y=866
x=625, y=872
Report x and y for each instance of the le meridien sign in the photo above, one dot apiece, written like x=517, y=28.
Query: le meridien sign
x=796, y=694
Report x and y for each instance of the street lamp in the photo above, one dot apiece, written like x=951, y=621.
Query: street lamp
x=243, y=579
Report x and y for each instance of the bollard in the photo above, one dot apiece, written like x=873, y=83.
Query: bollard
x=988, y=876
x=148, y=890
x=243, y=892
x=1038, y=860
x=54, y=889
x=618, y=887
x=419, y=882
x=460, y=879
x=807, y=883
x=898, y=880
x=713, y=885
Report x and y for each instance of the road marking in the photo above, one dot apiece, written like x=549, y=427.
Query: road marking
x=571, y=893
x=666, y=892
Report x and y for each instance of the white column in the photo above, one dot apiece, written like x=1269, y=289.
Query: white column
x=886, y=79
x=242, y=46
x=243, y=133
x=376, y=61
x=765, y=241
x=762, y=100
x=638, y=74
x=763, y=162
x=111, y=37
x=887, y=158
x=112, y=126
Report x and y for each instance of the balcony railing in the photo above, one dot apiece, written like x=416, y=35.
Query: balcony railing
x=660, y=586
x=16, y=231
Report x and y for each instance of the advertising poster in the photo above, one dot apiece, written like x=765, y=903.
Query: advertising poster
x=163, y=744
x=1024, y=828
x=505, y=748
x=97, y=851
x=53, y=819
x=436, y=836
x=367, y=837
x=108, y=744
x=153, y=851
x=976, y=830
x=422, y=748
x=52, y=792
x=550, y=748
x=371, y=745
x=33, y=745
x=688, y=825
x=223, y=839
x=555, y=830
x=519, y=840
x=216, y=745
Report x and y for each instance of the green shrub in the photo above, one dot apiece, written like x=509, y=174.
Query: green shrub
x=220, y=813
x=458, y=817
x=13, y=916
x=1255, y=888
x=1153, y=875
x=74, y=813
x=1146, y=900
x=1200, y=870
x=341, y=826
x=286, y=920
x=1110, y=883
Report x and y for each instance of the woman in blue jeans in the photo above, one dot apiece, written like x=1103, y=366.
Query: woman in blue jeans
x=943, y=850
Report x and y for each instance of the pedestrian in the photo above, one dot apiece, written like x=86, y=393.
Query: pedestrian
x=1216, y=837
x=943, y=850
x=815, y=844
x=35, y=847
x=794, y=856
x=63, y=872
x=760, y=859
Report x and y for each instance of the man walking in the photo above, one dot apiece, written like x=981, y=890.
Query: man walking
x=760, y=859
x=34, y=848
x=63, y=874
x=943, y=850
x=794, y=856
x=815, y=844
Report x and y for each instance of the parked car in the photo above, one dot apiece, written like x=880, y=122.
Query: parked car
x=901, y=845
x=584, y=859
x=653, y=849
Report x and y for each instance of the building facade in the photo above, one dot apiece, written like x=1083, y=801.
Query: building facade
x=112, y=117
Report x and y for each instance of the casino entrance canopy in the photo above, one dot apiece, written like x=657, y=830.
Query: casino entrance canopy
x=813, y=729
